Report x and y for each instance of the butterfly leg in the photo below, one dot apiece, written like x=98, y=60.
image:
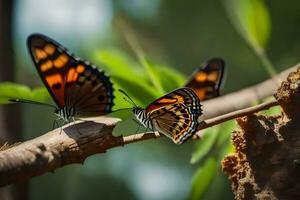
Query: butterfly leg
x=139, y=125
x=73, y=120
x=152, y=127
x=61, y=128
x=137, y=130
x=60, y=124
x=54, y=124
x=149, y=128
x=146, y=129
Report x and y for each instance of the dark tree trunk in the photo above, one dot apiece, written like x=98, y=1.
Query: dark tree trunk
x=10, y=120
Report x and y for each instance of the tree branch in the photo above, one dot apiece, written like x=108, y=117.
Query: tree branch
x=245, y=97
x=206, y=123
x=75, y=142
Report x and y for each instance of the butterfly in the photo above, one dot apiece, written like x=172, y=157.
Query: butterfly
x=78, y=88
x=207, y=80
x=174, y=114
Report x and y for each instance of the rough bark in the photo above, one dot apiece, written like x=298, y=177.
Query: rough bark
x=266, y=164
x=67, y=145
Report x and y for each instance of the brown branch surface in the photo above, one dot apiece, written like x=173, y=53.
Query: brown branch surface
x=75, y=142
x=63, y=146
x=266, y=164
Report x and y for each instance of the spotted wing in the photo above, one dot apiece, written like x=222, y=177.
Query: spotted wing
x=207, y=80
x=176, y=114
x=71, y=81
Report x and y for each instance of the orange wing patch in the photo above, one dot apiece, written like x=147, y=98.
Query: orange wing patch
x=56, y=85
x=179, y=98
x=54, y=80
x=39, y=54
x=72, y=75
x=80, y=68
x=164, y=101
x=167, y=100
x=213, y=76
x=61, y=61
x=49, y=49
x=46, y=65
x=201, y=76
x=201, y=93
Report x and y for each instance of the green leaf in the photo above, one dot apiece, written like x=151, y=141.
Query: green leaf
x=215, y=137
x=169, y=77
x=10, y=90
x=202, y=178
x=209, y=175
x=136, y=80
x=251, y=18
x=140, y=92
x=221, y=184
x=272, y=111
x=225, y=132
x=260, y=24
x=118, y=63
x=205, y=144
x=252, y=21
x=149, y=68
x=128, y=76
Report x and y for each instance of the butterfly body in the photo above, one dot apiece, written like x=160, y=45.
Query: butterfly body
x=174, y=115
x=65, y=114
x=78, y=88
x=142, y=116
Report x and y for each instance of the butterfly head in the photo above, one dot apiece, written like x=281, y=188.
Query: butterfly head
x=140, y=113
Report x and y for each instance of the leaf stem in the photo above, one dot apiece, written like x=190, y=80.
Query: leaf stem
x=129, y=35
x=252, y=43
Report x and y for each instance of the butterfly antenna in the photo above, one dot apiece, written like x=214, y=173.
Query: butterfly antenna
x=127, y=101
x=120, y=109
x=131, y=101
x=31, y=102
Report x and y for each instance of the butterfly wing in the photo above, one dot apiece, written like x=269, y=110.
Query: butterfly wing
x=207, y=80
x=71, y=81
x=176, y=114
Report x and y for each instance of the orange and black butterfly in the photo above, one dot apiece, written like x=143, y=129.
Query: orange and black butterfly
x=207, y=81
x=78, y=88
x=175, y=114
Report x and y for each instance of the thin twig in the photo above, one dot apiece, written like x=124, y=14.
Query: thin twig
x=245, y=97
x=206, y=123
x=238, y=113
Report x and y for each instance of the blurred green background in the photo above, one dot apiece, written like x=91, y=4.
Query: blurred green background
x=148, y=48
